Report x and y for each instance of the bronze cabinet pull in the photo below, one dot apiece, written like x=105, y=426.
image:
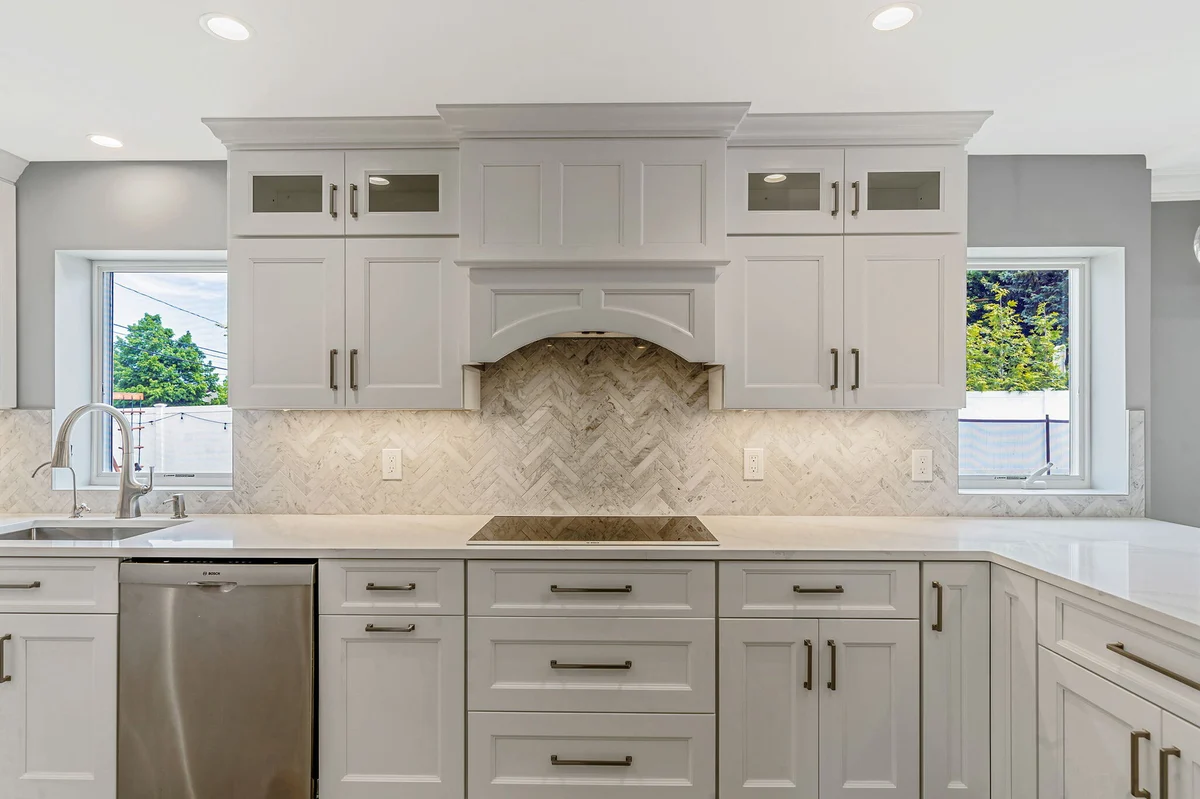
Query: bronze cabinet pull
x=354, y=370
x=554, y=664
x=1164, y=770
x=832, y=665
x=405, y=587
x=855, y=186
x=333, y=369
x=21, y=586
x=408, y=628
x=837, y=589
x=834, y=353
x=333, y=200
x=3, y=676
x=857, y=357
x=808, y=674
x=628, y=761
x=353, y=201
x=1135, y=765
x=837, y=198
x=1120, y=649
x=937, y=622
x=556, y=589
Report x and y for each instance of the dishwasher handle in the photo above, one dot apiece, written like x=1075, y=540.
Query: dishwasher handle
x=221, y=585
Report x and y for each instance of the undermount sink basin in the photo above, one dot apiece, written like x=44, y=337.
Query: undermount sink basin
x=62, y=530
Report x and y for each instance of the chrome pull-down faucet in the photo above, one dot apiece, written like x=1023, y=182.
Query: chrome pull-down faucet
x=130, y=490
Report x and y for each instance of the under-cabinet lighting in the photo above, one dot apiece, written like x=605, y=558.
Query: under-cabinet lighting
x=378, y=180
x=776, y=178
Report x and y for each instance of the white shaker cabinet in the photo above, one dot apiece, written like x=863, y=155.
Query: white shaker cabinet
x=58, y=706
x=906, y=190
x=402, y=192
x=956, y=696
x=8, y=295
x=1014, y=654
x=785, y=190
x=287, y=193
x=391, y=707
x=905, y=322
x=287, y=323
x=1179, y=759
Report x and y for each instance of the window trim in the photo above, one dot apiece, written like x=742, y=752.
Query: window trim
x=1079, y=342
x=99, y=475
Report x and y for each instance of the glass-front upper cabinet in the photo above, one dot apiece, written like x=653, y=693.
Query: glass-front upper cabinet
x=784, y=190
x=286, y=193
x=401, y=192
x=906, y=190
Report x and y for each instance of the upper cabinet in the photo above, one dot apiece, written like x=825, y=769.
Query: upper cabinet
x=785, y=190
x=402, y=192
x=8, y=294
x=906, y=190
x=554, y=200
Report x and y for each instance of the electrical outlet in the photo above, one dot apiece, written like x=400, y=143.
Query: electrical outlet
x=753, y=466
x=393, y=465
x=922, y=465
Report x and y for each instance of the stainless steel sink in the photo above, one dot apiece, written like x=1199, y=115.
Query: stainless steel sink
x=81, y=532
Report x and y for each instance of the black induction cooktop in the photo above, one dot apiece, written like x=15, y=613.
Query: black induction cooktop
x=595, y=530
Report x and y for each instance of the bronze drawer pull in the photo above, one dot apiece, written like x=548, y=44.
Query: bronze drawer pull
x=836, y=368
x=832, y=665
x=808, y=675
x=628, y=761
x=1164, y=770
x=408, y=628
x=554, y=664
x=1120, y=649
x=837, y=589
x=405, y=587
x=4, y=677
x=837, y=198
x=937, y=623
x=21, y=586
x=555, y=589
x=333, y=200
x=1135, y=765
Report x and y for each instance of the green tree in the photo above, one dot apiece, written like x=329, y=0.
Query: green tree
x=1003, y=356
x=150, y=359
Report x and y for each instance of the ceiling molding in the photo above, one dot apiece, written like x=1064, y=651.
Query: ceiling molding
x=1174, y=185
x=594, y=120
x=11, y=166
x=837, y=130
x=348, y=133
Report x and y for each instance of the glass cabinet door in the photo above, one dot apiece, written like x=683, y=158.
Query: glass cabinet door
x=402, y=192
x=784, y=190
x=906, y=190
x=286, y=193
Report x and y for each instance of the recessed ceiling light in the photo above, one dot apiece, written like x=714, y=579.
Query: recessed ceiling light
x=776, y=178
x=379, y=180
x=894, y=16
x=224, y=26
x=104, y=141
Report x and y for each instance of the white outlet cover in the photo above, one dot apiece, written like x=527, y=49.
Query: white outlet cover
x=753, y=465
x=922, y=465
x=393, y=464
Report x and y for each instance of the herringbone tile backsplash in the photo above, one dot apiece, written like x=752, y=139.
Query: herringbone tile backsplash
x=579, y=426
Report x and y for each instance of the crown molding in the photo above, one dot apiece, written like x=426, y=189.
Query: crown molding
x=1174, y=185
x=839, y=130
x=346, y=133
x=594, y=120
x=11, y=167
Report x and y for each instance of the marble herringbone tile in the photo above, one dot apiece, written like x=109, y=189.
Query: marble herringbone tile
x=577, y=426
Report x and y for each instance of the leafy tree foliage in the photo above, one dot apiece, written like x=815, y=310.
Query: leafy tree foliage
x=1029, y=288
x=150, y=359
x=1008, y=351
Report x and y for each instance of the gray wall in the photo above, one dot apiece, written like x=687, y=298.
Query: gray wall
x=104, y=206
x=1175, y=445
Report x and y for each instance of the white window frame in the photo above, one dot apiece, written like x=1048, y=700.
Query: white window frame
x=1079, y=344
x=100, y=476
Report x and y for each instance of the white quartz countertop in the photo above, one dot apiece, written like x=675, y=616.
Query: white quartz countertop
x=1143, y=566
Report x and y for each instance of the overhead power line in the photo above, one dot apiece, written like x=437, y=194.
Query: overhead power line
x=221, y=325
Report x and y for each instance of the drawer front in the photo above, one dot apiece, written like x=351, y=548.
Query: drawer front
x=592, y=665
x=58, y=585
x=513, y=755
x=408, y=587
x=1083, y=630
x=821, y=590
x=591, y=588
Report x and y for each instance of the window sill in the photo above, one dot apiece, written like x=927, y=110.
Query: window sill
x=1033, y=492
x=157, y=489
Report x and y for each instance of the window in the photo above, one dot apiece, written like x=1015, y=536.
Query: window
x=1027, y=374
x=160, y=355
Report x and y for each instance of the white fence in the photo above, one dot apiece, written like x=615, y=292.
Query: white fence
x=1014, y=432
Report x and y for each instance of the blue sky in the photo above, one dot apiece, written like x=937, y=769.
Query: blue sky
x=202, y=293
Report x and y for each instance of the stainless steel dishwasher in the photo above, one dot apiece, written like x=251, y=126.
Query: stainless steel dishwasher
x=216, y=681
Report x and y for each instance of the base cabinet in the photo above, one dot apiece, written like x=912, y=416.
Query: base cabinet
x=391, y=707
x=1179, y=759
x=58, y=708
x=1014, y=677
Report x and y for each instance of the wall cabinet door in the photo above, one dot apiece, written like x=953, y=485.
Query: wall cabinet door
x=405, y=323
x=870, y=709
x=1089, y=731
x=8, y=295
x=391, y=707
x=906, y=190
x=956, y=696
x=58, y=712
x=287, y=323
x=1014, y=684
x=785, y=190
x=768, y=713
x=401, y=192
x=780, y=322
x=286, y=193
x=1179, y=759
x=905, y=322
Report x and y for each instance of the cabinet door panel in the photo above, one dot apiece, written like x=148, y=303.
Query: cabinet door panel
x=391, y=707
x=955, y=692
x=768, y=715
x=402, y=192
x=811, y=197
x=286, y=193
x=58, y=713
x=906, y=190
x=1014, y=684
x=905, y=314
x=1085, y=737
x=780, y=306
x=287, y=316
x=1182, y=777
x=870, y=709
x=404, y=304
x=8, y=295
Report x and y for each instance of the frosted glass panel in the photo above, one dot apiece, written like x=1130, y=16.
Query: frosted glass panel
x=403, y=194
x=797, y=191
x=904, y=191
x=287, y=194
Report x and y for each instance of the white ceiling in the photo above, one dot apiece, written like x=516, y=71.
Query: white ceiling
x=1063, y=76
